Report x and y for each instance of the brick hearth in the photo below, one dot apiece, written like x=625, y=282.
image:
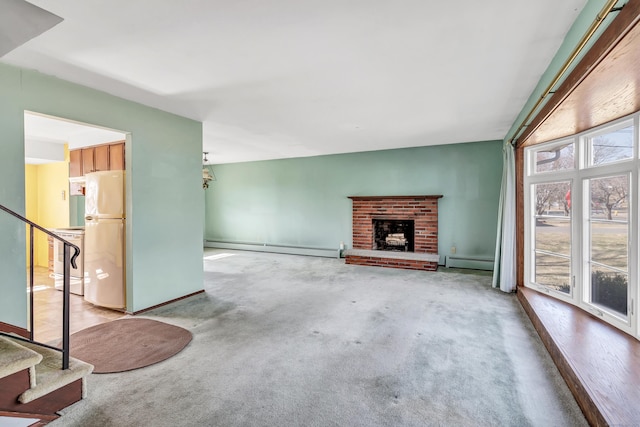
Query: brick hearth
x=423, y=210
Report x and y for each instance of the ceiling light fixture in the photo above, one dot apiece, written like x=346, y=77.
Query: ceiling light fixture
x=207, y=171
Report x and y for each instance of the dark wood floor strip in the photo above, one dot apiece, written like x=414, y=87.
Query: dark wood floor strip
x=600, y=364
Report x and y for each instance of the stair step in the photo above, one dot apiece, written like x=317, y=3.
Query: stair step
x=15, y=357
x=49, y=375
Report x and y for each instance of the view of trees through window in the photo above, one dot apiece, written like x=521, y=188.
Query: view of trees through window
x=553, y=235
x=559, y=157
x=611, y=147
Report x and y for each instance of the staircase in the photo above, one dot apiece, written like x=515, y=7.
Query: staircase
x=32, y=383
x=36, y=379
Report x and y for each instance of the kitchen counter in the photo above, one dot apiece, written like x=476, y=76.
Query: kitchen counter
x=68, y=230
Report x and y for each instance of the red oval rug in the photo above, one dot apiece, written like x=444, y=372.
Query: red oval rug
x=127, y=344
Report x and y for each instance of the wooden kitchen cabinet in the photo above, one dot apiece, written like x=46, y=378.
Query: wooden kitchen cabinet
x=101, y=158
x=96, y=158
x=88, y=164
x=116, y=156
x=75, y=163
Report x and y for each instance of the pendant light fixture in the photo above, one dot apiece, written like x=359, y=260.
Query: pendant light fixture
x=207, y=171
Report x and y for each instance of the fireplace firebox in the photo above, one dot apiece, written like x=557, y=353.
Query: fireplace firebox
x=393, y=235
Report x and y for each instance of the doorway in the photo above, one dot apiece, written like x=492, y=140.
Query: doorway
x=55, y=171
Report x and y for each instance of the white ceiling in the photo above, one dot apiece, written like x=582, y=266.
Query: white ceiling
x=290, y=78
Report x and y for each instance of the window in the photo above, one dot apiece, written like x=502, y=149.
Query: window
x=608, y=237
x=611, y=146
x=553, y=235
x=555, y=157
x=581, y=226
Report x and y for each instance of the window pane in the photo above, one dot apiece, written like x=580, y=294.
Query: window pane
x=609, y=211
x=553, y=199
x=552, y=219
x=560, y=157
x=609, y=198
x=611, y=147
x=554, y=235
x=553, y=272
x=609, y=289
x=609, y=244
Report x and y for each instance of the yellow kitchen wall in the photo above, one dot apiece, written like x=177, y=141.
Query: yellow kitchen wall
x=47, y=203
x=53, y=202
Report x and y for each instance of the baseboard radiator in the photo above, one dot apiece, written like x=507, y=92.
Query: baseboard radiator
x=470, y=261
x=278, y=249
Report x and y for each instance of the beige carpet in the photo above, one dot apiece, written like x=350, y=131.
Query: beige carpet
x=289, y=341
x=127, y=344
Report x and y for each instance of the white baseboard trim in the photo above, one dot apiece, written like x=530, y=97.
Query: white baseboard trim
x=476, y=262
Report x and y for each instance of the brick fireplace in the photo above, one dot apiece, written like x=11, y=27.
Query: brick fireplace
x=382, y=227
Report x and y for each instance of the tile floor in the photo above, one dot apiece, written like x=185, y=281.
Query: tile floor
x=48, y=310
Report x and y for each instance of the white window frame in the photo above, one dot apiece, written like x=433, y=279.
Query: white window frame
x=602, y=130
x=578, y=176
x=545, y=147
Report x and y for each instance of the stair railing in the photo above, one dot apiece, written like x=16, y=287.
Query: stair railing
x=68, y=261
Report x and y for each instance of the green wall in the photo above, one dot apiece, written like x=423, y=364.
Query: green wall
x=303, y=201
x=76, y=211
x=164, y=193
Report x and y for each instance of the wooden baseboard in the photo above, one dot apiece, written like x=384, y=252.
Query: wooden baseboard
x=164, y=303
x=10, y=329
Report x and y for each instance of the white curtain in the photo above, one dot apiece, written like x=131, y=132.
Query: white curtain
x=504, y=270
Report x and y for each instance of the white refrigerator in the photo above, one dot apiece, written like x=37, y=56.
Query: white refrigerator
x=104, y=225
